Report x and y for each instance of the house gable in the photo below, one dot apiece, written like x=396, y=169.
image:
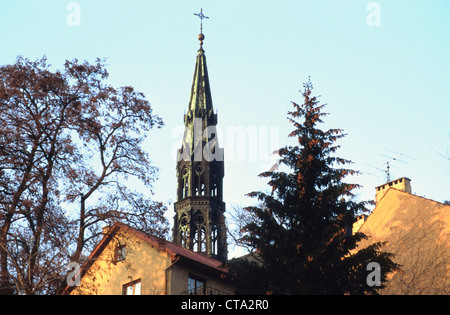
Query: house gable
x=159, y=266
x=417, y=232
x=145, y=261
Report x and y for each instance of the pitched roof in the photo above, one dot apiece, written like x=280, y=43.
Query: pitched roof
x=400, y=205
x=172, y=248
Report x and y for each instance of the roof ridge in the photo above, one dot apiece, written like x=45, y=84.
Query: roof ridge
x=171, y=247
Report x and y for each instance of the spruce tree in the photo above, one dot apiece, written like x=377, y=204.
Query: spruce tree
x=302, y=230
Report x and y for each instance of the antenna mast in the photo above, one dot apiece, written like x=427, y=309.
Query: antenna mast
x=391, y=159
x=388, y=164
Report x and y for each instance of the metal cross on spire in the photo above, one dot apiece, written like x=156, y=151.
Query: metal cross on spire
x=201, y=16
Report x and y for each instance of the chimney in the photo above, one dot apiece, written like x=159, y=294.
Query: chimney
x=403, y=184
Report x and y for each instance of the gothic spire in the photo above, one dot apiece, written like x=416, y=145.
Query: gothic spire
x=199, y=221
x=200, y=102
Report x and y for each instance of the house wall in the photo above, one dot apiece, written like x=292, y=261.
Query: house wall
x=142, y=262
x=180, y=273
x=417, y=231
x=152, y=266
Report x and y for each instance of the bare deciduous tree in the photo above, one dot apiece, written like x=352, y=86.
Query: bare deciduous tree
x=67, y=138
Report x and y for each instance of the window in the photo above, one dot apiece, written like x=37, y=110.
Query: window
x=199, y=181
x=196, y=285
x=120, y=253
x=132, y=288
x=214, y=233
x=184, y=181
x=214, y=189
x=214, y=186
x=184, y=225
x=199, y=240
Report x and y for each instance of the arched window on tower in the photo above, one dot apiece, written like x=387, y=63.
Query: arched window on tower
x=182, y=183
x=184, y=230
x=214, y=234
x=199, y=181
x=202, y=185
x=199, y=240
x=185, y=182
x=186, y=188
x=213, y=186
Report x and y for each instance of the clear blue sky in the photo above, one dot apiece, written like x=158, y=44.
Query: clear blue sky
x=386, y=85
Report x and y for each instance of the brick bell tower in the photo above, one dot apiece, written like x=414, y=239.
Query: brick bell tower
x=199, y=221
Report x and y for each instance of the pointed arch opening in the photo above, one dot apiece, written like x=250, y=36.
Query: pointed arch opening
x=199, y=233
x=183, y=183
x=214, y=239
x=199, y=181
x=184, y=230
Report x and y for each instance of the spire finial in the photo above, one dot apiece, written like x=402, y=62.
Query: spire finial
x=201, y=37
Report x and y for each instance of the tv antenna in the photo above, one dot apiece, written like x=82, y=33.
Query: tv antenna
x=388, y=164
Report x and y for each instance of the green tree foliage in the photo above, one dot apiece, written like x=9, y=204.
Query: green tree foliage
x=302, y=230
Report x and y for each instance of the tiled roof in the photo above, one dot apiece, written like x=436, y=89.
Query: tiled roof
x=172, y=248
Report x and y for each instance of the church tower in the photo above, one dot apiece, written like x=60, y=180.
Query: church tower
x=199, y=222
